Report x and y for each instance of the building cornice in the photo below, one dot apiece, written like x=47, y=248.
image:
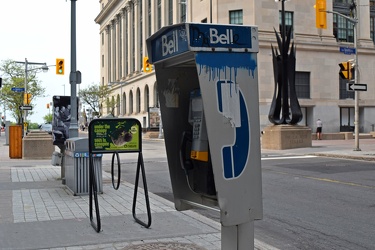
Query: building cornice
x=108, y=9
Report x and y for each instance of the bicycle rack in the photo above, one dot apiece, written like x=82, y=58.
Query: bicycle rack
x=115, y=135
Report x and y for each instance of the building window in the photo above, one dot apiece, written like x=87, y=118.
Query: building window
x=146, y=98
x=236, y=17
x=343, y=29
x=372, y=20
x=156, y=97
x=344, y=94
x=124, y=103
x=303, y=85
x=118, y=105
x=183, y=12
x=149, y=18
x=346, y=119
x=170, y=12
x=113, y=105
x=342, y=1
x=138, y=101
x=131, y=102
x=159, y=14
x=108, y=107
x=102, y=61
x=288, y=22
x=102, y=38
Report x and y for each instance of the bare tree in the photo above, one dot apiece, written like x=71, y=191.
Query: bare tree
x=96, y=96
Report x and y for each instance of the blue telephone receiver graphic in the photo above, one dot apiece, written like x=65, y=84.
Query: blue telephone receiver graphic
x=232, y=105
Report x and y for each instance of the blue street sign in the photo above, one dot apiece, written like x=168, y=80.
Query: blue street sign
x=18, y=89
x=347, y=51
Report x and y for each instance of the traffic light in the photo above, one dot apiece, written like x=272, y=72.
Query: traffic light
x=26, y=98
x=321, y=14
x=47, y=105
x=147, y=67
x=346, y=70
x=59, y=66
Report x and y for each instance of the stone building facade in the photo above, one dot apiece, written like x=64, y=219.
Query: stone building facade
x=126, y=24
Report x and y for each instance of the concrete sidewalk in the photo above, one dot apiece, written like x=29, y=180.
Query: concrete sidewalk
x=38, y=212
x=333, y=148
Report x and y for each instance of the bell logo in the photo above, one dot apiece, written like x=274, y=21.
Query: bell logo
x=169, y=43
x=216, y=38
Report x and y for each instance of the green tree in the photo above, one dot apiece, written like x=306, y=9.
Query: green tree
x=14, y=77
x=95, y=96
x=33, y=125
x=48, y=118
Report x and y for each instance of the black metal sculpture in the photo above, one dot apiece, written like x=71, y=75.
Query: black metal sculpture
x=285, y=108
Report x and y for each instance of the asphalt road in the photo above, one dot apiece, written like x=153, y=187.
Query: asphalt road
x=318, y=203
x=309, y=202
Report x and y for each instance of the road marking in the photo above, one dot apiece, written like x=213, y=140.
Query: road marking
x=289, y=157
x=323, y=179
x=338, y=182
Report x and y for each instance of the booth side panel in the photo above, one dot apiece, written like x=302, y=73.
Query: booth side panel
x=229, y=87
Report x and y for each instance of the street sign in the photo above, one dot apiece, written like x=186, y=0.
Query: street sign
x=347, y=51
x=25, y=107
x=18, y=89
x=356, y=87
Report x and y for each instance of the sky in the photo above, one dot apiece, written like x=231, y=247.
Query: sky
x=39, y=30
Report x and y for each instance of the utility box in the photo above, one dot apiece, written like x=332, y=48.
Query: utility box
x=77, y=166
x=15, y=141
x=207, y=80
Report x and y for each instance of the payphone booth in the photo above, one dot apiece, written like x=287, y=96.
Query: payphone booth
x=207, y=81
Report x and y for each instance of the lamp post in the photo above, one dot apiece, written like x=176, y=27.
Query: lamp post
x=121, y=98
x=75, y=75
x=45, y=69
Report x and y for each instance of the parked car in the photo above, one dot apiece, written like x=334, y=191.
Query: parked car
x=46, y=127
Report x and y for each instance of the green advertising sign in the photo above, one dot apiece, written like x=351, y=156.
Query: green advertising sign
x=115, y=135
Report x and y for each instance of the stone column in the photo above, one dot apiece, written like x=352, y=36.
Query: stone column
x=113, y=50
x=117, y=46
x=123, y=46
x=137, y=37
x=108, y=32
x=129, y=8
x=364, y=39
